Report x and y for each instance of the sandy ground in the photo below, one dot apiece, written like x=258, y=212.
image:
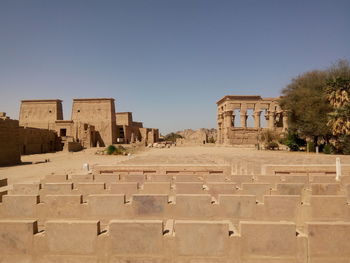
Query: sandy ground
x=242, y=159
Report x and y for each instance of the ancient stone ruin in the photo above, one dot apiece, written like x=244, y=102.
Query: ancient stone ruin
x=233, y=112
x=41, y=128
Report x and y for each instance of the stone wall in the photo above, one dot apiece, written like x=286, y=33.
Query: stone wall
x=129, y=131
x=34, y=140
x=100, y=113
x=196, y=137
x=9, y=141
x=40, y=113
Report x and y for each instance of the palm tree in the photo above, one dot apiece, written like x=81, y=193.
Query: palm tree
x=338, y=94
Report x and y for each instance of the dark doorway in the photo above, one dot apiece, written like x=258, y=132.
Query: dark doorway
x=63, y=132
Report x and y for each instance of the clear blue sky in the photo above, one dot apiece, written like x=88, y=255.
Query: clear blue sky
x=166, y=61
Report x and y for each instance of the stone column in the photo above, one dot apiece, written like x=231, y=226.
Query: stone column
x=257, y=123
x=285, y=121
x=227, y=125
x=271, y=119
x=228, y=115
x=220, y=131
x=244, y=116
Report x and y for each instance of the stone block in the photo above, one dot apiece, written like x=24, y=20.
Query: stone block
x=325, y=189
x=268, y=241
x=154, y=205
x=159, y=178
x=63, y=206
x=215, y=178
x=345, y=179
x=55, y=178
x=257, y=189
x=77, y=178
x=281, y=207
x=196, y=206
x=188, y=178
x=201, y=238
x=329, y=208
x=216, y=189
x=328, y=242
x=20, y=206
x=57, y=188
x=156, y=188
x=3, y=182
x=101, y=205
x=237, y=206
x=2, y=193
x=16, y=237
x=88, y=188
x=240, y=179
x=139, y=178
x=124, y=188
x=301, y=179
x=76, y=237
x=290, y=189
x=189, y=188
x=136, y=237
x=26, y=189
x=322, y=179
x=108, y=179
x=270, y=179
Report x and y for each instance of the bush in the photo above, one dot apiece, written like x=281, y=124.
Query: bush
x=120, y=150
x=293, y=141
x=293, y=146
x=269, y=139
x=110, y=149
x=172, y=137
x=271, y=145
x=344, y=144
x=211, y=140
x=327, y=149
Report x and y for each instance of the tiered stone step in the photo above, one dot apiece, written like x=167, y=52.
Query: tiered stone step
x=172, y=216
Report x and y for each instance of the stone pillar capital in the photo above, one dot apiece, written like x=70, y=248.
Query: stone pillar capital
x=228, y=113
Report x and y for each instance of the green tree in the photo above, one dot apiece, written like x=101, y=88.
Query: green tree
x=305, y=100
x=338, y=95
x=172, y=137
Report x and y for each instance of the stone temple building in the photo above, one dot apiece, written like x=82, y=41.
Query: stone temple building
x=233, y=113
x=93, y=122
x=41, y=128
x=129, y=131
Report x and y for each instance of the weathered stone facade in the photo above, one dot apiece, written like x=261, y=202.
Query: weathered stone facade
x=99, y=112
x=94, y=123
x=196, y=137
x=35, y=140
x=40, y=114
x=230, y=106
x=129, y=131
x=9, y=141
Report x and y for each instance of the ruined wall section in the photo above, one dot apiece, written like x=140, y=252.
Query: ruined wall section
x=100, y=113
x=9, y=141
x=34, y=140
x=128, y=131
x=40, y=113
